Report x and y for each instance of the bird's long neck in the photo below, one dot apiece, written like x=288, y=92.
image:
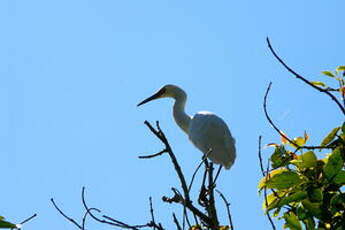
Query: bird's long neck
x=181, y=118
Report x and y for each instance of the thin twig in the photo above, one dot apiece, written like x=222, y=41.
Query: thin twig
x=85, y=216
x=28, y=219
x=280, y=132
x=266, y=175
x=152, y=215
x=123, y=225
x=260, y=158
x=186, y=218
x=64, y=215
x=267, y=213
x=107, y=218
x=227, y=204
x=153, y=155
x=178, y=226
x=303, y=79
x=265, y=195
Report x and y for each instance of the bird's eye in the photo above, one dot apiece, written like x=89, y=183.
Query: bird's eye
x=162, y=91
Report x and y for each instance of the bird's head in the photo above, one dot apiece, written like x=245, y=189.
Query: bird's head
x=166, y=91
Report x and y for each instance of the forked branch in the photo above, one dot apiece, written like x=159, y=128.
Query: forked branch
x=186, y=201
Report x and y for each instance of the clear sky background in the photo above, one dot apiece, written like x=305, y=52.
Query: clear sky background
x=72, y=72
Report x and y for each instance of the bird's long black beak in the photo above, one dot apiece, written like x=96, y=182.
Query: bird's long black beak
x=153, y=97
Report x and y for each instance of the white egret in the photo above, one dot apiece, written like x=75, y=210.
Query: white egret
x=207, y=131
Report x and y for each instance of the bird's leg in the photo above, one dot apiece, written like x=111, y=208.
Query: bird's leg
x=216, y=177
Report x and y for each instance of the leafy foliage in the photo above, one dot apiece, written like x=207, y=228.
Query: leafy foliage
x=305, y=187
x=311, y=189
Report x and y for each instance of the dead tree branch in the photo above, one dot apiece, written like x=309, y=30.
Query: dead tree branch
x=207, y=218
x=186, y=201
x=104, y=219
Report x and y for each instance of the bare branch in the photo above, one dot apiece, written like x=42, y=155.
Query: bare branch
x=152, y=215
x=162, y=137
x=85, y=216
x=267, y=213
x=260, y=157
x=266, y=175
x=123, y=225
x=303, y=79
x=265, y=194
x=64, y=215
x=107, y=220
x=178, y=226
x=153, y=155
x=227, y=204
x=28, y=219
x=153, y=222
x=187, y=202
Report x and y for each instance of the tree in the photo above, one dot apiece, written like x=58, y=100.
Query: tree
x=306, y=190
x=300, y=187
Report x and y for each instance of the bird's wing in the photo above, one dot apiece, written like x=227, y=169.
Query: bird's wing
x=208, y=132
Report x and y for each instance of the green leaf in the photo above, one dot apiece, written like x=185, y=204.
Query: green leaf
x=313, y=208
x=341, y=68
x=306, y=160
x=5, y=224
x=294, y=197
x=280, y=157
x=301, y=212
x=292, y=221
x=334, y=164
x=318, y=83
x=283, y=180
x=315, y=195
x=343, y=128
x=340, y=178
x=310, y=223
x=263, y=181
x=338, y=199
x=330, y=136
x=328, y=73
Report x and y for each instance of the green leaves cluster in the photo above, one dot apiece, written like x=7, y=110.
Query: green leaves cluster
x=305, y=191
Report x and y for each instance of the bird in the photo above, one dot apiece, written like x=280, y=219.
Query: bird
x=208, y=132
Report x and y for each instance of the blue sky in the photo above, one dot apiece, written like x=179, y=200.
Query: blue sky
x=72, y=72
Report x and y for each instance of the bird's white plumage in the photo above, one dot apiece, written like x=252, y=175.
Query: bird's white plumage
x=211, y=135
x=207, y=131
